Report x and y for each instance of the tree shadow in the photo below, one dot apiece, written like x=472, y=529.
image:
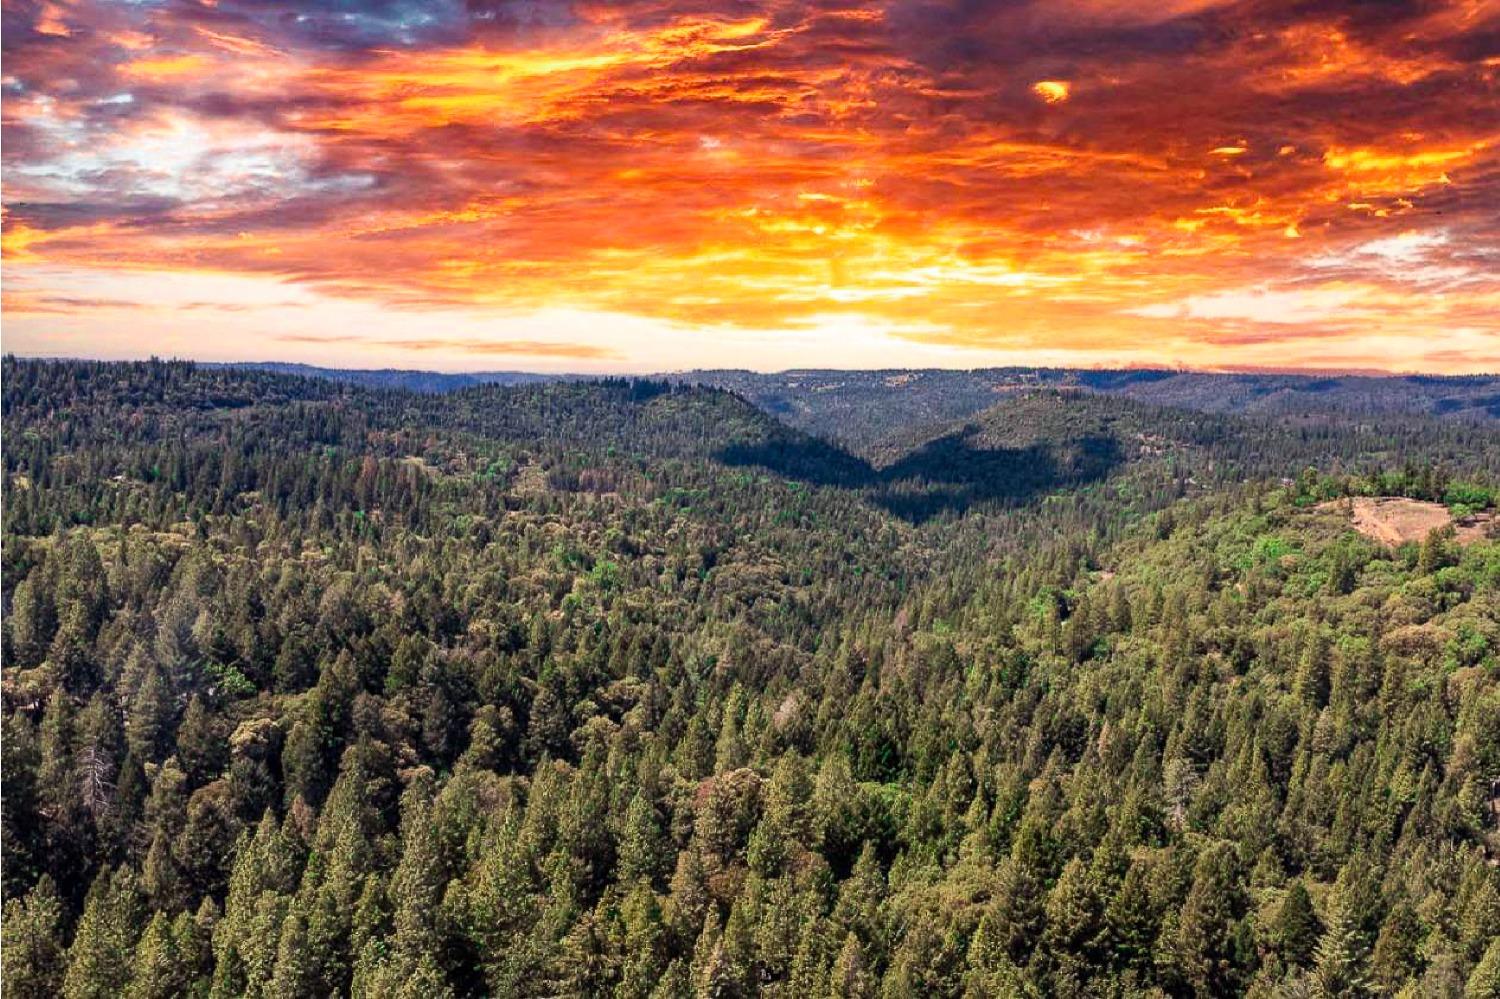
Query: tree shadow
x=803, y=459
x=946, y=475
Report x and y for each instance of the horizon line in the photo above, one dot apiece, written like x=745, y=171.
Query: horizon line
x=1231, y=370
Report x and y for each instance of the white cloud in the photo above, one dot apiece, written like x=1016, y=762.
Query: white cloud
x=1261, y=305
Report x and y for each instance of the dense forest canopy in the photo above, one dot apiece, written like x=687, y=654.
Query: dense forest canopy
x=629, y=688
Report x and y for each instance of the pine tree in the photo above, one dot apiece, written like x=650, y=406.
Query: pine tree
x=1203, y=952
x=1484, y=980
x=1395, y=956
x=295, y=972
x=1019, y=915
x=645, y=943
x=689, y=897
x=645, y=852
x=709, y=966
x=158, y=971
x=71, y=654
x=31, y=942
x=57, y=788
x=500, y=904
x=989, y=971
x=850, y=978
x=676, y=982
x=587, y=964
x=201, y=747
x=159, y=874
x=1130, y=920
x=1296, y=928
x=192, y=933
x=1072, y=910
x=245, y=940
x=101, y=739
x=1481, y=911
x=148, y=727
x=1341, y=953
x=861, y=901
x=32, y=619
x=813, y=961
x=836, y=825
x=1433, y=553
x=418, y=885
x=99, y=959
x=789, y=799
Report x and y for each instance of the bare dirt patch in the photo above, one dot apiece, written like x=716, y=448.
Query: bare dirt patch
x=420, y=464
x=530, y=480
x=1395, y=520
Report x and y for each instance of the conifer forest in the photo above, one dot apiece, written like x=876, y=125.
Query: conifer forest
x=679, y=687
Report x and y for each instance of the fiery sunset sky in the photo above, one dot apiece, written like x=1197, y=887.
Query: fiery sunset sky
x=656, y=184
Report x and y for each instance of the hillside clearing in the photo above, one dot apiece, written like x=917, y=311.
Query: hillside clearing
x=1396, y=520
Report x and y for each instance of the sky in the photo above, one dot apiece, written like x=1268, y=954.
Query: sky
x=645, y=185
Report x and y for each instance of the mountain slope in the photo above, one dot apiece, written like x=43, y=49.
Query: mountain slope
x=867, y=408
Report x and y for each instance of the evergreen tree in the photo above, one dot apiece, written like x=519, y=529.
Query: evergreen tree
x=158, y=970
x=1341, y=958
x=850, y=978
x=31, y=932
x=1073, y=924
x=540, y=691
x=1202, y=951
x=1130, y=920
x=645, y=943
x=418, y=886
x=99, y=961
x=1395, y=956
x=1484, y=980
x=1296, y=929
x=645, y=852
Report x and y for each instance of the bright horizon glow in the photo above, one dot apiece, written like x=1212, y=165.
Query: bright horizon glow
x=573, y=186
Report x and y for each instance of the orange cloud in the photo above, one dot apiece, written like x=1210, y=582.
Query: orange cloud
x=767, y=166
x=167, y=68
x=1052, y=91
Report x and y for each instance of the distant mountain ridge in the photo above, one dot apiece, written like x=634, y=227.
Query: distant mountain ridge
x=865, y=409
x=411, y=379
x=1035, y=439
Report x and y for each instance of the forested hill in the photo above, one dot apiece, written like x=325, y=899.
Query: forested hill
x=868, y=409
x=412, y=380
x=628, y=689
x=1214, y=445
x=596, y=435
x=163, y=398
